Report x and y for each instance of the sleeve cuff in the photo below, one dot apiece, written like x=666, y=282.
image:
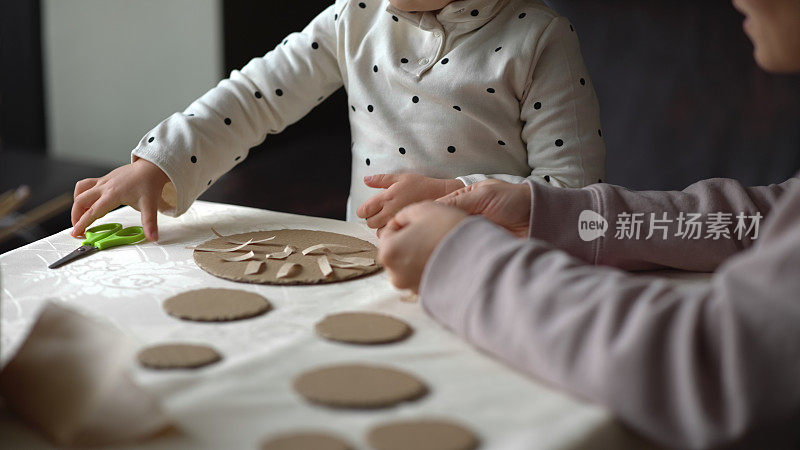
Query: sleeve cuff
x=554, y=218
x=173, y=200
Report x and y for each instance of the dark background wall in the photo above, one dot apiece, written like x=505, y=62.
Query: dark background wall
x=681, y=97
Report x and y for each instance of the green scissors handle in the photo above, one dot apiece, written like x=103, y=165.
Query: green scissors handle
x=112, y=235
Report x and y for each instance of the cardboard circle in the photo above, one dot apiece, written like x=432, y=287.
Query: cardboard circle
x=362, y=328
x=359, y=386
x=177, y=356
x=422, y=434
x=305, y=440
x=213, y=263
x=216, y=305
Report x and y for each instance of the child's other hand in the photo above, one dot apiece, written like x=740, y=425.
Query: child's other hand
x=138, y=184
x=506, y=204
x=401, y=190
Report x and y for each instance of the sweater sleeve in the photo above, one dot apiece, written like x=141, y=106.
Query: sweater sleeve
x=561, y=115
x=216, y=131
x=686, y=367
x=710, y=220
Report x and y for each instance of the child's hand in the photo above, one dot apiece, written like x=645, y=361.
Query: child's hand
x=401, y=190
x=138, y=184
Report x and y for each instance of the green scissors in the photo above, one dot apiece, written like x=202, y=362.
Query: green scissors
x=102, y=237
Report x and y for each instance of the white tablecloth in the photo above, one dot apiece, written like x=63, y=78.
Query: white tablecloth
x=248, y=396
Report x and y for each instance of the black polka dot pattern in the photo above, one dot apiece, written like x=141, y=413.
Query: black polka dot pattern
x=583, y=82
x=415, y=99
x=446, y=60
x=285, y=41
x=403, y=60
x=367, y=161
x=599, y=180
x=209, y=183
x=522, y=16
x=451, y=149
x=190, y=115
x=320, y=98
x=237, y=158
x=571, y=28
x=457, y=108
x=257, y=94
x=193, y=159
x=395, y=18
x=498, y=49
x=474, y=13
x=490, y=90
x=279, y=92
x=537, y=105
x=547, y=178
x=362, y=5
x=335, y=16
x=227, y=121
x=151, y=139
x=599, y=133
x=314, y=45
x=375, y=69
x=370, y=108
x=402, y=150
x=559, y=142
x=501, y=142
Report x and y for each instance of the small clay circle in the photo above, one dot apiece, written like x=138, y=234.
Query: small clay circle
x=359, y=386
x=305, y=440
x=362, y=328
x=216, y=305
x=423, y=434
x=177, y=356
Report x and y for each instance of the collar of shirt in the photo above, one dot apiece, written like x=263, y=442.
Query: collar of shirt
x=466, y=15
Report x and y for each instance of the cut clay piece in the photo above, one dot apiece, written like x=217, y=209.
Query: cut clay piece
x=253, y=267
x=324, y=266
x=242, y=257
x=359, y=386
x=288, y=250
x=289, y=270
x=234, y=241
x=362, y=328
x=321, y=249
x=177, y=356
x=423, y=434
x=306, y=440
x=213, y=263
x=216, y=305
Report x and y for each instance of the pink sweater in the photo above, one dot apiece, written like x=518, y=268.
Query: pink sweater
x=686, y=367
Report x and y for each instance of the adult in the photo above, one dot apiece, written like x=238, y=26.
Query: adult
x=698, y=368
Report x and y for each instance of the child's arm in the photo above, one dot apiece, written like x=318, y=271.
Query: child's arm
x=561, y=115
x=215, y=132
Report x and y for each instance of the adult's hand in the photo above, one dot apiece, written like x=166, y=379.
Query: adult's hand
x=411, y=236
x=506, y=204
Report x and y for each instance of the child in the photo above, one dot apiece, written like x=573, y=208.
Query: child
x=445, y=93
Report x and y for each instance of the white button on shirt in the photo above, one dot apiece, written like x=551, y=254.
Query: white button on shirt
x=499, y=90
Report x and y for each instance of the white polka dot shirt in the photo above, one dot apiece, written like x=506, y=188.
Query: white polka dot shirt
x=480, y=89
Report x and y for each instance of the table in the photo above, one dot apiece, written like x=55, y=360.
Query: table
x=248, y=396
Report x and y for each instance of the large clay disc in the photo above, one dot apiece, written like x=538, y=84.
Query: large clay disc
x=305, y=440
x=216, y=305
x=362, y=328
x=359, y=386
x=213, y=263
x=177, y=356
x=424, y=434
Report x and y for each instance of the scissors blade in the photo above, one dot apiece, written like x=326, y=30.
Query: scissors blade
x=80, y=252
